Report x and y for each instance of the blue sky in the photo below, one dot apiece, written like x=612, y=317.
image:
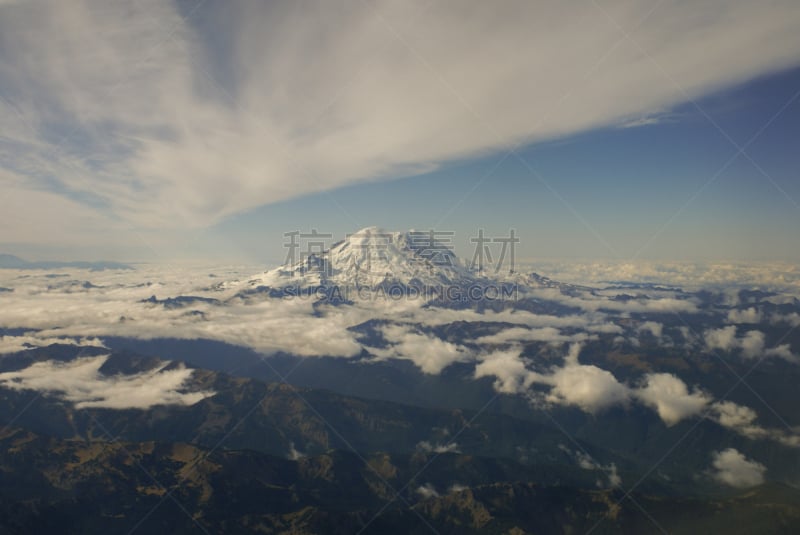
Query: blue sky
x=665, y=191
x=167, y=130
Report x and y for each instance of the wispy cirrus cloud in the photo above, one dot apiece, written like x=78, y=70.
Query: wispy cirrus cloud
x=163, y=115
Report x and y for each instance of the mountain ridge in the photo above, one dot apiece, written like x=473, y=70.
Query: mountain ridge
x=377, y=260
x=118, y=486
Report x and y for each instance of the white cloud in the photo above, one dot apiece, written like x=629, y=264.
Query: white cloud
x=12, y=344
x=670, y=397
x=594, y=303
x=586, y=386
x=751, y=345
x=724, y=338
x=742, y=420
x=734, y=469
x=268, y=326
x=748, y=315
x=586, y=462
x=171, y=126
x=725, y=277
x=689, y=337
x=653, y=327
x=792, y=319
x=614, y=479
x=589, y=321
x=294, y=453
x=80, y=382
x=57, y=221
x=784, y=352
x=644, y=121
x=427, y=491
x=550, y=335
x=509, y=370
x=428, y=447
x=294, y=326
x=298, y=327
x=429, y=353
x=734, y=416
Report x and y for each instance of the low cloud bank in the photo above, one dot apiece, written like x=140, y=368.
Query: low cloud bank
x=80, y=382
x=593, y=390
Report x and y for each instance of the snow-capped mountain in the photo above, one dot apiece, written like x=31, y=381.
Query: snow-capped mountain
x=374, y=257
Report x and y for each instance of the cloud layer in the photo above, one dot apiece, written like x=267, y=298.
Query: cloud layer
x=521, y=352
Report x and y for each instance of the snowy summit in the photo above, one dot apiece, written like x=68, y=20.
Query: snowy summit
x=373, y=257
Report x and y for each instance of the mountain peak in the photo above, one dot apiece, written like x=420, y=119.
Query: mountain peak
x=373, y=256
x=369, y=231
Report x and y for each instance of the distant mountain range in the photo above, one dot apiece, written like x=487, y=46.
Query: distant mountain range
x=8, y=261
x=270, y=458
